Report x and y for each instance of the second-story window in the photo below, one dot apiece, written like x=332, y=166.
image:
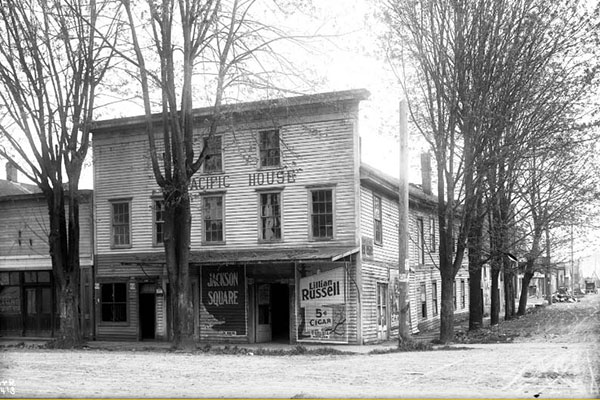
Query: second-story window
x=454, y=293
x=214, y=154
x=420, y=241
x=423, y=293
x=213, y=218
x=270, y=216
x=321, y=214
x=377, y=224
x=269, y=148
x=432, y=234
x=121, y=222
x=463, y=294
x=159, y=221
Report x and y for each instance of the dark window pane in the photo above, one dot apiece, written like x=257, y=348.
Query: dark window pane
x=269, y=148
x=46, y=301
x=214, y=160
x=31, y=300
x=30, y=277
x=44, y=276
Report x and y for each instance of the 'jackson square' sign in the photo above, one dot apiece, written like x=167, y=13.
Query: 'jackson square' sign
x=323, y=307
x=224, y=299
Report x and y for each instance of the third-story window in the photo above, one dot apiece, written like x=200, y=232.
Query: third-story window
x=159, y=221
x=420, y=241
x=214, y=160
x=270, y=216
x=121, y=236
x=213, y=218
x=321, y=214
x=269, y=148
x=377, y=225
x=434, y=297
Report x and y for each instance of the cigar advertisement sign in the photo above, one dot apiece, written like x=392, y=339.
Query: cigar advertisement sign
x=322, y=311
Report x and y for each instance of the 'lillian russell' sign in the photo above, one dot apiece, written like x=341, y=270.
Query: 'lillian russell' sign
x=323, y=307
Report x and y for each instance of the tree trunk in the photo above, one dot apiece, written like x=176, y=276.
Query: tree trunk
x=447, y=311
x=64, y=252
x=475, y=265
x=509, y=295
x=177, y=239
x=475, y=298
x=495, y=298
x=524, y=293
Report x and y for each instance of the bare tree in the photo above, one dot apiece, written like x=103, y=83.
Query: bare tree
x=474, y=72
x=51, y=64
x=207, y=46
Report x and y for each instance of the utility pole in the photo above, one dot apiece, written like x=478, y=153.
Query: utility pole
x=548, y=276
x=572, y=264
x=403, y=264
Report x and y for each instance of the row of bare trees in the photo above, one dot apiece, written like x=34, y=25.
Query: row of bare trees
x=498, y=88
x=54, y=56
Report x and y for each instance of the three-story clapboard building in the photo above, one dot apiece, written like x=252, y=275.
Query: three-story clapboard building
x=293, y=239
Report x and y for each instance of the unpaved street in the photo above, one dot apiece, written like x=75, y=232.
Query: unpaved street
x=556, y=354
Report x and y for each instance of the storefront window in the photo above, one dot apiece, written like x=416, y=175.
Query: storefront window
x=114, y=302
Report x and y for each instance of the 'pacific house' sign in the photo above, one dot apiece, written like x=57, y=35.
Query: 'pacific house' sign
x=260, y=178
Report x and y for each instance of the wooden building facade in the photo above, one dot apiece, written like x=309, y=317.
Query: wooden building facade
x=28, y=305
x=293, y=240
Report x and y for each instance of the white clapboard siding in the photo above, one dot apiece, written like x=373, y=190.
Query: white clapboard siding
x=29, y=215
x=122, y=171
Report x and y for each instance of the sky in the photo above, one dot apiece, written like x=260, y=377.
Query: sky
x=345, y=53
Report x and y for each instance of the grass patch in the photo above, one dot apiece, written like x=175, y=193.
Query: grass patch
x=295, y=351
x=406, y=346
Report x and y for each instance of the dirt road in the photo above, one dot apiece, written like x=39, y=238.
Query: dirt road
x=556, y=354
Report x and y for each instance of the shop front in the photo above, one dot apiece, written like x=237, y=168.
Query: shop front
x=304, y=298
x=27, y=303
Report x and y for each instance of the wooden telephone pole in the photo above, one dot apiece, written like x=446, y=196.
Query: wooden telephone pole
x=403, y=264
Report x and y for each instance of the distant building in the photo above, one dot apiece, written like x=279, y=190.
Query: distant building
x=293, y=238
x=27, y=289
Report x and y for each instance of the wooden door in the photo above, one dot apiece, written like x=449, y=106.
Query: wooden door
x=382, y=311
x=263, y=313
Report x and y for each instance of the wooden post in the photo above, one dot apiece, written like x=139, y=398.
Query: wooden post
x=548, y=276
x=403, y=222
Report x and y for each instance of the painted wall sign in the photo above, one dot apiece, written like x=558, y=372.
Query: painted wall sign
x=324, y=288
x=223, y=298
x=260, y=178
x=322, y=312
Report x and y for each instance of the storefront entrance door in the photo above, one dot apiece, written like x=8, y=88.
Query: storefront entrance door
x=147, y=311
x=382, y=297
x=38, y=311
x=263, y=314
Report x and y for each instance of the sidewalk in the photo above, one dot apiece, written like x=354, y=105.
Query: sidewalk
x=154, y=345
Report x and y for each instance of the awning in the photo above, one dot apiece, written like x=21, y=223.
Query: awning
x=271, y=255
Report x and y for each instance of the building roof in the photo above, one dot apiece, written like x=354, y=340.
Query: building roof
x=378, y=180
x=10, y=188
x=288, y=104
